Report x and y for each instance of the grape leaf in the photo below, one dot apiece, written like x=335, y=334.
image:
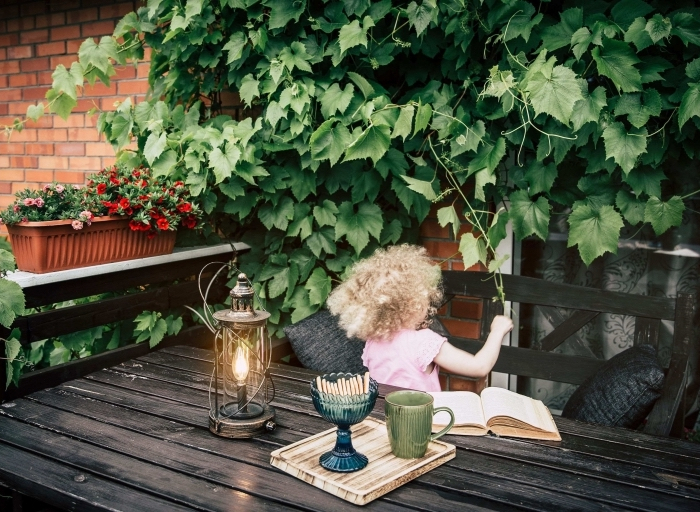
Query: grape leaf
x=356, y=226
x=420, y=16
x=372, y=143
x=7, y=261
x=595, y=231
x=11, y=302
x=67, y=81
x=235, y=46
x=631, y=207
x=686, y=27
x=319, y=286
x=336, y=99
x=424, y=188
x=322, y=240
x=223, y=163
x=559, y=35
x=154, y=147
x=588, y=108
x=353, y=34
x=646, y=180
x=283, y=11
x=555, y=93
x=690, y=104
x=473, y=250
x=540, y=177
x=402, y=127
x=295, y=56
x=624, y=11
x=425, y=112
x=165, y=163
x=497, y=231
x=616, y=60
x=637, y=35
x=34, y=112
x=469, y=141
x=663, y=215
x=528, y=216
x=325, y=214
x=448, y=215
x=658, y=28
x=277, y=214
x=624, y=147
x=488, y=157
x=249, y=89
x=328, y=142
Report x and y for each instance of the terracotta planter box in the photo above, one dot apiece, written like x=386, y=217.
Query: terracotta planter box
x=42, y=247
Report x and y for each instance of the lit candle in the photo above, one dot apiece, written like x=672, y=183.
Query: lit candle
x=239, y=366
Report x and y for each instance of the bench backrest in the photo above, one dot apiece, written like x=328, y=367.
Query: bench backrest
x=586, y=304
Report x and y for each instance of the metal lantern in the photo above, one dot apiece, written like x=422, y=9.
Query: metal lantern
x=242, y=357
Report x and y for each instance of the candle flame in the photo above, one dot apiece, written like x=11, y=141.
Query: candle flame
x=239, y=365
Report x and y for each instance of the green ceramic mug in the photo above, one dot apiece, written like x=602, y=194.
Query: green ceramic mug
x=409, y=420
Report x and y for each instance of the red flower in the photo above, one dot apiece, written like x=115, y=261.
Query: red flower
x=162, y=223
x=101, y=188
x=114, y=180
x=136, y=225
x=179, y=184
x=154, y=214
x=184, y=207
x=189, y=222
x=144, y=183
x=124, y=202
x=136, y=173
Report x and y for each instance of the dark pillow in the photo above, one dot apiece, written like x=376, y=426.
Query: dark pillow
x=321, y=344
x=621, y=393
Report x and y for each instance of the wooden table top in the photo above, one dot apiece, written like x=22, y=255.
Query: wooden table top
x=135, y=438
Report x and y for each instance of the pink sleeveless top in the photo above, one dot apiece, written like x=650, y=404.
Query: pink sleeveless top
x=402, y=360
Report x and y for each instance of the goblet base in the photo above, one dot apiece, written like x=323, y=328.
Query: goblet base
x=344, y=463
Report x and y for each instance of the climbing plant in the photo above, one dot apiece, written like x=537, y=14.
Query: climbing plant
x=362, y=115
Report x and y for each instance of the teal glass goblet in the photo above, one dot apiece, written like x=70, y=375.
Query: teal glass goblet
x=343, y=411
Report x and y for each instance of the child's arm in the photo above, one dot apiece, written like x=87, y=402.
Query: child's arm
x=454, y=360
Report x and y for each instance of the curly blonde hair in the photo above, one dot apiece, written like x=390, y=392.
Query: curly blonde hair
x=395, y=288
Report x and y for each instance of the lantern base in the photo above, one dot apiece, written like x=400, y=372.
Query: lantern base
x=243, y=428
x=232, y=412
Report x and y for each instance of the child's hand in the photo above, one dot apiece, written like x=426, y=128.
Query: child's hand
x=501, y=325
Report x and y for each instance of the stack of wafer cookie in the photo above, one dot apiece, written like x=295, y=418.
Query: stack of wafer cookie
x=345, y=386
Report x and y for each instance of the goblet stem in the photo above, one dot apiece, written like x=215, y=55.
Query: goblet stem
x=343, y=457
x=343, y=443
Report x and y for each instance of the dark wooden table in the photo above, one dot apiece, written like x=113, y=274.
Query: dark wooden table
x=135, y=438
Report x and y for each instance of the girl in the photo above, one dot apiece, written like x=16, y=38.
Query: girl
x=388, y=301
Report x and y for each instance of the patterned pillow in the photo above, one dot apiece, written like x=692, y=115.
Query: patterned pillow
x=621, y=393
x=321, y=344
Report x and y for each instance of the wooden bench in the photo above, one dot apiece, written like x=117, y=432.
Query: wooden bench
x=585, y=305
x=160, y=283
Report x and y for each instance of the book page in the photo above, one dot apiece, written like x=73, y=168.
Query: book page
x=465, y=405
x=501, y=402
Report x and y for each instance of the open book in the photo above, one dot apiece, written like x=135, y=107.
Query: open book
x=497, y=410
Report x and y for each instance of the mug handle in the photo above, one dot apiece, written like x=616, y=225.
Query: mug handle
x=449, y=425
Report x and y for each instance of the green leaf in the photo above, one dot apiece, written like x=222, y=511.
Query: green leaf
x=687, y=27
x=34, y=112
x=402, y=127
x=352, y=35
x=319, y=286
x=528, y=216
x=473, y=250
x=588, y=108
x=391, y=233
x=7, y=261
x=637, y=113
x=424, y=188
x=630, y=206
x=540, y=177
x=663, y=215
x=690, y=105
x=295, y=56
x=336, y=99
x=283, y=11
x=98, y=55
x=448, y=215
x=555, y=93
x=154, y=147
x=164, y=164
x=420, y=16
x=646, y=180
x=580, y=41
x=423, y=116
x=157, y=333
x=624, y=147
x=594, y=231
x=224, y=162
x=616, y=60
x=67, y=81
x=356, y=226
x=60, y=103
x=488, y=157
x=274, y=113
x=692, y=70
x=658, y=27
x=559, y=35
x=624, y=11
x=322, y=240
x=249, y=89
x=277, y=214
x=328, y=142
x=469, y=141
x=637, y=35
x=325, y=213
x=362, y=84
x=372, y=143
x=235, y=46
x=12, y=349
x=497, y=230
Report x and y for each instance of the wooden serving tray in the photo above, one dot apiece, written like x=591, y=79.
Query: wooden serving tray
x=383, y=473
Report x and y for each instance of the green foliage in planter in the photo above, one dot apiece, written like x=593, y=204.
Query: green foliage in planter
x=368, y=112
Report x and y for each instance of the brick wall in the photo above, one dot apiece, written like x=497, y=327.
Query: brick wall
x=35, y=37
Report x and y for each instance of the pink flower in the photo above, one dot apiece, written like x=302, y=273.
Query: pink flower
x=77, y=187
x=28, y=201
x=38, y=202
x=15, y=208
x=77, y=224
x=60, y=188
x=47, y=187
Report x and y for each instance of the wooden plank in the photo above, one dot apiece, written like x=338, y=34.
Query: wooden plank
x=55, y=375
x=385, y=472
x=565, y=327
x=546, y=293
x=646, y=331
x=489, y=309
x=661, y=417
x=69, y=488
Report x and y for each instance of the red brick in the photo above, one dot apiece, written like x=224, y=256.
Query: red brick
x=11, y=148
x=5, y=188
x=12, y=10
x=69, y=176
x=43, y=122
x=20, y=52
x=34, y=93
x=50, y=20
x=67, y=32
x=12, y=95
x=458, y=383
x=16, y=107
x=55, y=134
x=142, y=70
x=39, y=176
x=99, y=89
x=66, y=60
x=66, y=5
x=4, y=162
x=444, y=381
x=31, y=8
x=125, y=73
x=71, y=149
x=470, y=309
x=84, y=105
x=44, y=78
x=132, y=87
x=19, y=24
x=3, y=108
x=432, y=229
x=75, y=120
x=24, y=161
x=35, y=64
x=34, y=36
x=3, y=53
x=85, y=163
x=13, y=175
x=53, y=162
x=81, y=15
x=462, y=328
x=116, y=10
x=97, y=28
x=9, y=39
x=73, y=45
x=147, y=53
x=99, y=149
x=10, y=67
x=55, y=48
x=440, y=249
x=26, y=135
x=23, y=80
x=39, y=149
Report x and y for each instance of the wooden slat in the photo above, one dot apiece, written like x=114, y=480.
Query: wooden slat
x=646, y=331
x=546, y=293
x=566, y=328
x=489, y=309
x=661, y=418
